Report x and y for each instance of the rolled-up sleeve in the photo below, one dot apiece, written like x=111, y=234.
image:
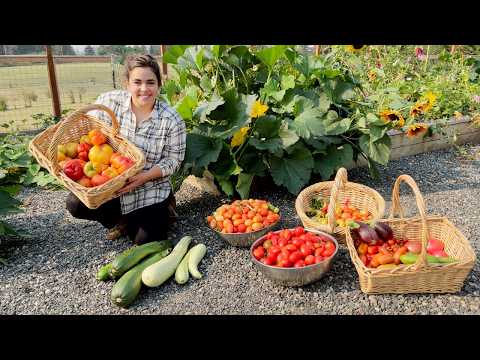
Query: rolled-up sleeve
x=174, y=149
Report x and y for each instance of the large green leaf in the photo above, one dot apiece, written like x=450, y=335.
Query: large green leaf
x=272, y=90
x=173, y=53
x=271, y=55
x=377, y=132
x=226, y=186
x=341, y=90
x=288, y=82
x=288, y=137
x=12, y=189
x=186, y=106
x=251, y=162
x=232, y=113
x=336, y=157
x=309, y=123
x=225, y=165
x=272, y=145
x=378, y=151
x=206, y=107
x=243, y=185
x=334, y=126
x=294, y=169
x=267, y=126
x=202, y=150
x=8, y=204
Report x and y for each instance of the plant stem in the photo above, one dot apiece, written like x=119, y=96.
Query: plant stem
x=426, y=58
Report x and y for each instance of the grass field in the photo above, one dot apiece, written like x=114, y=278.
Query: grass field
x=25, y=89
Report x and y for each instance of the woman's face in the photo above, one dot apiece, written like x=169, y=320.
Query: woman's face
x=143, y=85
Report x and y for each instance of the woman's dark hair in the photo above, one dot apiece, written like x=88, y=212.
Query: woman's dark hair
x=145, y=60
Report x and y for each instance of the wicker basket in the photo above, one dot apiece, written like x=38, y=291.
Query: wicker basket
x=361, y=196
x=44, y=148
x=420, y=277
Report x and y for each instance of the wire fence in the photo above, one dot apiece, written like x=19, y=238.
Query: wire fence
x=25, y=95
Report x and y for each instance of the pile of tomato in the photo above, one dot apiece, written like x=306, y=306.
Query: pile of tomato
x=243, y=216
x=294, y=248
x=345, y=213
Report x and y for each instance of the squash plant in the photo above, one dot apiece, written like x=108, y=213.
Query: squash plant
x=270, y=112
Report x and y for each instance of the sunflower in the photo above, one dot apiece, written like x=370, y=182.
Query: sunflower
x=239, y=137
x=416, y=129
x=393, y=117
x=430, y=100
x=372, y=75
x=354, y=48
x=417, y=109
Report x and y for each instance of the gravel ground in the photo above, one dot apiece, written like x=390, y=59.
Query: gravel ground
x=53, y=271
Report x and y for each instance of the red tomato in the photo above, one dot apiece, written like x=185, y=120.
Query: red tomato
x=284, y=263
x=282, y=242
x=297, y=242
x=318, y=259
x=259, y=252
x=328, y=252
x=268, y=261
x=316, y=239
x=274, y=249
x=319, y=251
x=291, y=247
x=306, y=250
x=330, y=245
x=295, y=256
x=299, y=263
x=363, y=259
x=309, y=260
x=298, y=231
x=286, y=234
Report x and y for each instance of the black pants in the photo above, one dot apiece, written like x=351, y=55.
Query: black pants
x=150, y=223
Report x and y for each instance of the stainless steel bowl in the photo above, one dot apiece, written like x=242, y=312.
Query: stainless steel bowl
x=295, y=276
x=245, y=239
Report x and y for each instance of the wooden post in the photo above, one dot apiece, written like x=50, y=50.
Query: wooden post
x=317, y=50
x=164, y=64
x=52, y=79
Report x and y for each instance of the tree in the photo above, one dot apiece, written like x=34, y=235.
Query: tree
x=89, y=50
x=154, y=49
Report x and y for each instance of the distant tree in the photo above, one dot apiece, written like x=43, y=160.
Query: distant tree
x=154, y=49
x=68, y=50
x=89, y=50
x=27, y=49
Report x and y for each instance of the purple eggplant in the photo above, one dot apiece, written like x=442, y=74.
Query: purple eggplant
x=367, y=234
x=384, y=231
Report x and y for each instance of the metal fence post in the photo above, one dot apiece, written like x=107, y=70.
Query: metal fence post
x=52, y=80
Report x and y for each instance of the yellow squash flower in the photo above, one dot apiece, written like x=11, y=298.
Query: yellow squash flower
x=416, y=129
x=392, y=116
x=258, y=109
x=239, y=137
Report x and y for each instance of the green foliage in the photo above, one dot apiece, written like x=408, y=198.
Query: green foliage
x=291, y=114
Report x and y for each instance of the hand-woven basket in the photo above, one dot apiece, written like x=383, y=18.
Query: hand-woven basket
x=361, y=196
x=420, y=277
x=44, y=148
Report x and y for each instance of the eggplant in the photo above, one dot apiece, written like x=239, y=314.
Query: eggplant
x=367, y=234
x=384, y=231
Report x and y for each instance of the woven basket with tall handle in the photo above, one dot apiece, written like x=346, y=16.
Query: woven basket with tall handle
x=361, y=196
x=44, y=148
x=420, y=277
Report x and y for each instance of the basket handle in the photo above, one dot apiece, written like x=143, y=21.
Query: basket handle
x=397, y=208
x=52, y=151
x=340, y=180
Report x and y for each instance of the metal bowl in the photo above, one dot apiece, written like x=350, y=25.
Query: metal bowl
x=245, y=239
x=295, y=276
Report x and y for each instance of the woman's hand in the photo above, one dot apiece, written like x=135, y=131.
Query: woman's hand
x=134, y=182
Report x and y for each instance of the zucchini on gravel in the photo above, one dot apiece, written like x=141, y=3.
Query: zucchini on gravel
x=131, y=257
x=128, y=286
x=158, y=273
x=196, y=254
x=104, y=272
x=181, y=274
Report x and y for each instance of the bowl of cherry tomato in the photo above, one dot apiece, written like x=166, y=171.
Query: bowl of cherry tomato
x=241, y=222
x=294, y=257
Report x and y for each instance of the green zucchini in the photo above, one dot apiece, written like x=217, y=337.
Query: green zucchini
x=158, y=273
x=196, y=254
x=128, y=286
x=128, y=259
x=181, y=274
x=104, y=272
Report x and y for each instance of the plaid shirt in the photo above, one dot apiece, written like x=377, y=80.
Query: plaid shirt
x=162, y=137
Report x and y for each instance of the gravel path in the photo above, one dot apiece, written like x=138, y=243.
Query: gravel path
x=53, y=272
